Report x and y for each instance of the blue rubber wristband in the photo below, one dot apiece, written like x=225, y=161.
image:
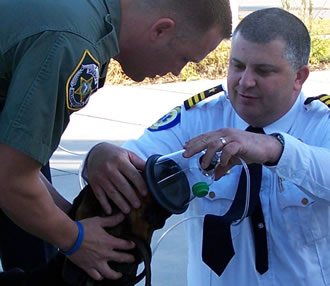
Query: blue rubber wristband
x=78, y=242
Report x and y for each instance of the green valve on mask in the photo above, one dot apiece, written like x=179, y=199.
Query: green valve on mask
x=200, y=189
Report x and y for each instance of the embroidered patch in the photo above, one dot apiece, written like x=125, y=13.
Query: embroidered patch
x=82, y=82
x=167, y=121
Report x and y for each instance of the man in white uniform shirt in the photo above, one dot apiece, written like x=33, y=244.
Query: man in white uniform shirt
x=268, y=67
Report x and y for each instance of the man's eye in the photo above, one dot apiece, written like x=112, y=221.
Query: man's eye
x=238, y=66
x=263, y=72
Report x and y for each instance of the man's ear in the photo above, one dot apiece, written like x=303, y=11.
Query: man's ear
x=301, y=76
x=163, y=27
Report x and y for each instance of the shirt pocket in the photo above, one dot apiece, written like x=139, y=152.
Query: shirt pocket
x=305, y=219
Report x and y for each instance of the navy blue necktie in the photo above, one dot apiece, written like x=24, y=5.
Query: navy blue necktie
x=218, y=247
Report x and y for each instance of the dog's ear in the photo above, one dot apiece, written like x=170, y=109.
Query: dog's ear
x=85, y=205
x=72, y=274
x=138, y=226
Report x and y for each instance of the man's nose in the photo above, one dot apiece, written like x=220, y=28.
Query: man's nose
x=177, y=72
x=247, y=79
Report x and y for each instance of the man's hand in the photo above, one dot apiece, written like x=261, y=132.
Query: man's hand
x=113, y=172
x=251, y=147
x=98, y=247
x=24, y=198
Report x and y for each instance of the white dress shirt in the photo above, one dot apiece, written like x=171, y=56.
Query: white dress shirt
x=295, y=196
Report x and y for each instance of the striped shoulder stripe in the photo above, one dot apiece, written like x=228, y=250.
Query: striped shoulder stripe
x=192, y=101
x=325, y=98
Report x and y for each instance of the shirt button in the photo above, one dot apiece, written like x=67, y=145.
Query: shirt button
x=304, y=201
x=260, y=225
x=211, y=195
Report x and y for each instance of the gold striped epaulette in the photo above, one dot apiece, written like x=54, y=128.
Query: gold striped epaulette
x=325, y=98
x=192, y=101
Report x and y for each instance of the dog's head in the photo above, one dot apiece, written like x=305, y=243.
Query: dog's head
x=137, y=226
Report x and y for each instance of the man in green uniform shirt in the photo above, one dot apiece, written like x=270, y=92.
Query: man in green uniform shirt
x=53, y=56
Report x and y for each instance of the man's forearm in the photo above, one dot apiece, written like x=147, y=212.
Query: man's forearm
x=59, y=200
x=28, y=203
x=25, y=199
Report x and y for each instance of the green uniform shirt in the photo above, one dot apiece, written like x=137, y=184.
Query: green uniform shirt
x=53, y=55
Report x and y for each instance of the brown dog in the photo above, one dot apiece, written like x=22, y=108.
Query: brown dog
x=137, y=226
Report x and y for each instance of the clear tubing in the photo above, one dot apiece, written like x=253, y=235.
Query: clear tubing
x=170, y=229
x=247, y=196
x=244, y=215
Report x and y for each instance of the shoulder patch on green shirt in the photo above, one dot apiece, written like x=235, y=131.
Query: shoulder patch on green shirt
x=325, y=98
x=83, y=81
x=167, y=121
x=192, y=101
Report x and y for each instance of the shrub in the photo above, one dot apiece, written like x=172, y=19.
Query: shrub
x=320, y=51
x=214, y=66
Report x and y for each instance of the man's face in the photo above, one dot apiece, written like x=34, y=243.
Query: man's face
x=262, y=85
x=166, y=55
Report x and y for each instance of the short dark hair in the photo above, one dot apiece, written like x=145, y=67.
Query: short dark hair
x=196, y=15
x=266, y=25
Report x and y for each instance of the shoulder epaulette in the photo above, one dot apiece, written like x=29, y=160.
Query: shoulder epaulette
x=192, y=101
x=325, y=98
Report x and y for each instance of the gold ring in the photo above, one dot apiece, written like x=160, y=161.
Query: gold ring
x=223, y=141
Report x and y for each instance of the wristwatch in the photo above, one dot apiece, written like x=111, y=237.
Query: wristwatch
x=280, y=139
